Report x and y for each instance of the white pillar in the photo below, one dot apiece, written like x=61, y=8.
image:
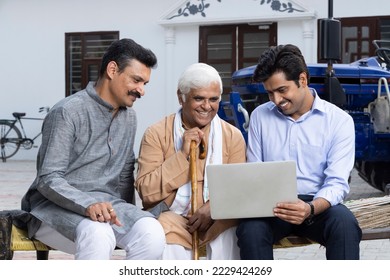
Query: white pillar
x=309, y=44
x=170, y=85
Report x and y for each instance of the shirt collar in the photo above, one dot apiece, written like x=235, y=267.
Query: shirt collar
x=318, y=104
x=93, y=94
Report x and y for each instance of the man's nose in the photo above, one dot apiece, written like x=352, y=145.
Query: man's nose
x=141, y=89
x=206, y=103
x=277, y=98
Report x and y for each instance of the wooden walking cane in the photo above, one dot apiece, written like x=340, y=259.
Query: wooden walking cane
x=194, y=201
x=194, y=192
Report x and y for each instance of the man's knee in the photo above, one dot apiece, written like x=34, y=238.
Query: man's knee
x=254, y=233
x=153, y=233
x=146, y=240
x=94, y=241
x=252, y=228
x=255, y=239
x=342, y=223
x=88, y=228
x=88, y=232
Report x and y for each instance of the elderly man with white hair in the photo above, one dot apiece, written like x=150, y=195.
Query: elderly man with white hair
x=164, y=181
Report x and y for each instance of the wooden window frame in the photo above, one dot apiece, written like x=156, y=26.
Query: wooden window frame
x=84, y=60
x=374, y=25
x=237, y=32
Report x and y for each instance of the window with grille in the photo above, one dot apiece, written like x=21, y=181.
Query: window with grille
x=83, y=56
x=357, y=34
x=232, y=47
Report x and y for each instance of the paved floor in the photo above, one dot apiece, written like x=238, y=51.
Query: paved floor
x=16, y=176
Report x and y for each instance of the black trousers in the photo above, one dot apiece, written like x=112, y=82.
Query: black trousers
x=336, y=229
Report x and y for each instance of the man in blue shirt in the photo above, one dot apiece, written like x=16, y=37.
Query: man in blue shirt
x=297, y=125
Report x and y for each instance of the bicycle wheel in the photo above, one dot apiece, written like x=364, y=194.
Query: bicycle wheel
x=10, y=139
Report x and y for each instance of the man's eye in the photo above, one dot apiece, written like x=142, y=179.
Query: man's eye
x=198, y=99
x=282, y=90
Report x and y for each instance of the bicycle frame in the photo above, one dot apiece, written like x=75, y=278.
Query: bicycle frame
x=19, y=120
x=12, y=136
x=12, y=124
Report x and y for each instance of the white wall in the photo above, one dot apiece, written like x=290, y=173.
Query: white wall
x=32, y=41
x=32, y=54
x=360, y=8
x=344, y=8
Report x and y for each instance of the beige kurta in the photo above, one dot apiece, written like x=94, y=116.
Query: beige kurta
x=162, y=170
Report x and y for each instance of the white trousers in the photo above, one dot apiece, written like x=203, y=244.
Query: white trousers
x=224, y=247
x=97, y=241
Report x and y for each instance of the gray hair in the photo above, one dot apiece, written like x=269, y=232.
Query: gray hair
x=197, y=76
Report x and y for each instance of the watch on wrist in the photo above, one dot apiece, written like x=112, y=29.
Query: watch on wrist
x=309, y=220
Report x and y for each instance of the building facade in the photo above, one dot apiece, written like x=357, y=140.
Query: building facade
x=49, y=49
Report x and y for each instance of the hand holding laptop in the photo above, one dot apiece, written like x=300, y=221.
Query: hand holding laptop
x=293, y=213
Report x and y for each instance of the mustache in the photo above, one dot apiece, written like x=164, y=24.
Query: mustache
x=135, y=93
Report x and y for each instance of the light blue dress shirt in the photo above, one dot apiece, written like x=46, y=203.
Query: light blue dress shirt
x=321, y=142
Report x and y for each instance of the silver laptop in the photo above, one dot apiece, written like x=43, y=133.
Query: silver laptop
x=248, y=190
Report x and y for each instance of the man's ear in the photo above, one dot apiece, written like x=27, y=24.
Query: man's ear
x=111, y=69
x=303, y=79
x=180, y=97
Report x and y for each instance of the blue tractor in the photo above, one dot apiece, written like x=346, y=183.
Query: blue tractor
x=360, y=88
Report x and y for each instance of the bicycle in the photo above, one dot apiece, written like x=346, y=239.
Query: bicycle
x=11, y=136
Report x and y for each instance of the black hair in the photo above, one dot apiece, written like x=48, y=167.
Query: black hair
x=123, y=51
x=283, y=58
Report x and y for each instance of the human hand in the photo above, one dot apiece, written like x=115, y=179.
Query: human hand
x=102, y=212
x=292, y=212
x=192, y=134
x=201, y=220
